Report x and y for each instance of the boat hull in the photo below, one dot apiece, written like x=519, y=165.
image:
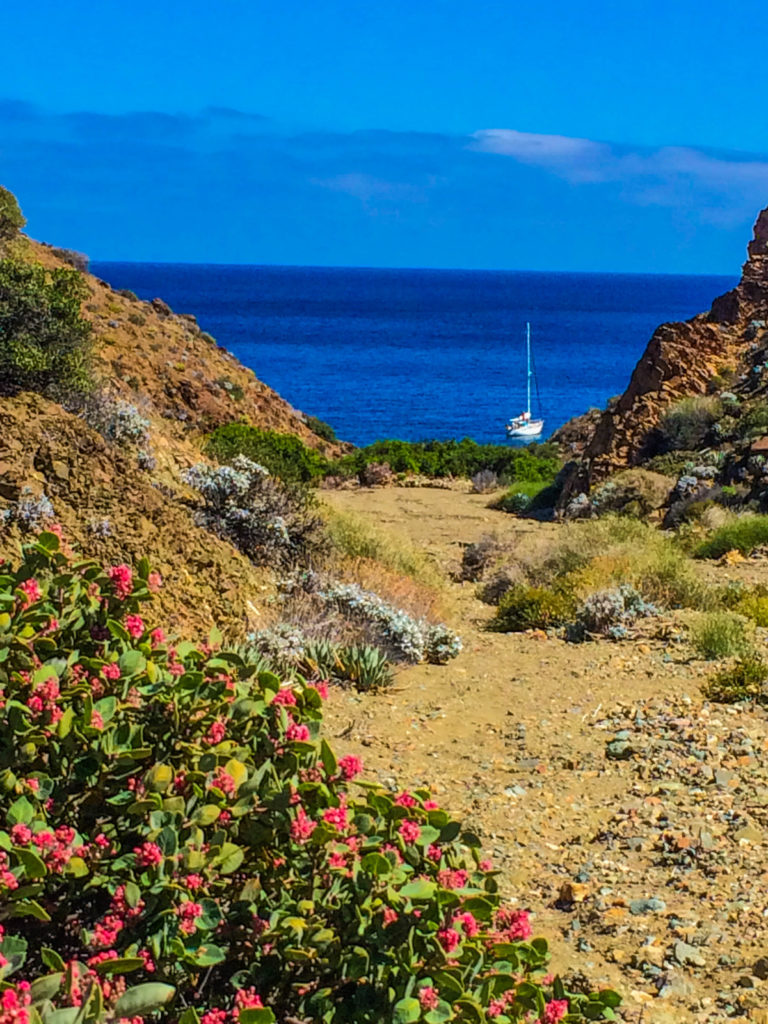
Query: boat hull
x=530, y=429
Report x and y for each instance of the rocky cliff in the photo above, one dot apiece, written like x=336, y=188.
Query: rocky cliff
x=681, y=360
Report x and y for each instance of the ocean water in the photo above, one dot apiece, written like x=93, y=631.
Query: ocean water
x=418, y=354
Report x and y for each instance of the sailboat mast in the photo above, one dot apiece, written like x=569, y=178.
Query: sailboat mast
x=528, y=354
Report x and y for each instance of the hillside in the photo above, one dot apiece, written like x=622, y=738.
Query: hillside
x=725, y=346
x=184, y=384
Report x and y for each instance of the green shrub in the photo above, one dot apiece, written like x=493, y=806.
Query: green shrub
x=12, y=220
x=321, y=428
x=525, y=496
x=673, y=463
x=687, y=424
x=745, y=534
x=463, y=458
x=284, y=455
x=170, y=816
x=44, y=342
x=634, y=492
x=720, y=635
x=353, y=536
x=525, y=607
x=744, y=680
x=754, y=422
x=754, y=605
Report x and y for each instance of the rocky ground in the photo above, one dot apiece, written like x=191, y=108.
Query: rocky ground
x=625, y=812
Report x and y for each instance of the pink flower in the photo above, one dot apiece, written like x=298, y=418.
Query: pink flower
x=302, y=826
x=338, y=816
x=21, y=834
x=405, y=800
x=111, y=671
x=350, y=767
x=34, y=784
x=148, y=855
x=214, y=1017
x=135, y=626
x=449, y=939
x=322, y=689
x=496, y=1008
x=224, y=781
x=286, y=696
x=188, y=912
x=453, y=879
x=154, y=581
x=337, y=860
x=31, y=590
x=157, y=636
x=389, y=916
x=194, y=882
x=97, y=721
x=246, y=999
x=428, y=998
x=468, y=923
x=216, y=733
x=514, y=924
x=410, y=831
x=297, y=731
x=122, y=579
x=486, y=865
x=434, y=852
x=555, y=1011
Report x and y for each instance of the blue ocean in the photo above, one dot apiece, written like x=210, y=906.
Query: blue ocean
x=417, y=354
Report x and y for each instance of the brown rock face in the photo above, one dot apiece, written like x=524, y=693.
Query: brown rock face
x=680, y=360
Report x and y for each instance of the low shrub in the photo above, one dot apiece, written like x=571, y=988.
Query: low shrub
x=30, y=512
x=720, y=635
x=484, y=481
x=321, y=428
x=744, y=680
x=528, y=496
x=609, y=613
x=178, y=840
x=284, y=455
x=672, y=463
x=126, y=293
x=754, y=605
x=687, y=424
x=401, y=634
x=525, y=607
x=75, y=259
x=46, y=343
x=454, y=459
x=12, y=220
x=115, y=419
x=480, y=556
x=635, y=492
x=354, y=537
x=754, y=421
x=376, y=474
x=272, y=522
x=744, y=534
x=366, y=667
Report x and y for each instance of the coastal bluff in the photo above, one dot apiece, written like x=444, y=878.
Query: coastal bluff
x=680, y=360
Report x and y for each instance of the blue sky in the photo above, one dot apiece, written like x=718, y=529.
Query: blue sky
x=597, y=136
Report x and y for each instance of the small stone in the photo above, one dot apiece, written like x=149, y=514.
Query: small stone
x=748, y=834
x=687, y=954
x=619, y=750
x=649, y=905
x=760, y=969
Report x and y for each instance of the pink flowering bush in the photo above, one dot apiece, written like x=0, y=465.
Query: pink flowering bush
x=178, y=842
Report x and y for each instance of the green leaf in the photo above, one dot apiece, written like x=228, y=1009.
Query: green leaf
x=375, y=864
x=328, y=758
x=29, y=908
x=207, y=956
x=46, y=987
x=206, y=815
x=122, y=965
x=52, y=959
x=609, y=998
x=261, y=1016
x=419, y=890
x=48, y=540
x=215, y=637
x=230, y=859
x=190, y=1016
x=442, y=1012
x=428, y=836
x=34, y=867
x=118, y=631
x=406, y=1011
x=142, y=999
x=64, y=726
x=66, y=1016
x=21, y=812
x=132, y=662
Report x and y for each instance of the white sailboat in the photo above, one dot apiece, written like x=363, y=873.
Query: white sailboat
x=523, y=425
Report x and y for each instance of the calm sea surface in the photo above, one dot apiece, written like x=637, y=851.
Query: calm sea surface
x=418, y=354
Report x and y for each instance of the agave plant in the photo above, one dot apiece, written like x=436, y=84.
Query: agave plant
x=365, y=666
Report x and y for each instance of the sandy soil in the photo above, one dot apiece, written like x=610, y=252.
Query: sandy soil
x=597, y=777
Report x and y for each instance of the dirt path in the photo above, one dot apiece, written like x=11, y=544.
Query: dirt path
x=628, y=816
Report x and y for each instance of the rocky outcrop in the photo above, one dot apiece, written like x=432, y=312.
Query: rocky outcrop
x=680, y=360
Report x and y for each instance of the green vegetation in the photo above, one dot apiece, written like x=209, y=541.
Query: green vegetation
x=12, y=220
x=218, y=858
x=744, y=534
x=284, y=455
x=525, y=607
x=44, y=341
x=354, y=537
x=454, y=459
x=321, y=428
x=721, y=635
x=688, y=423
x=744, y=680
x=528, y=496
